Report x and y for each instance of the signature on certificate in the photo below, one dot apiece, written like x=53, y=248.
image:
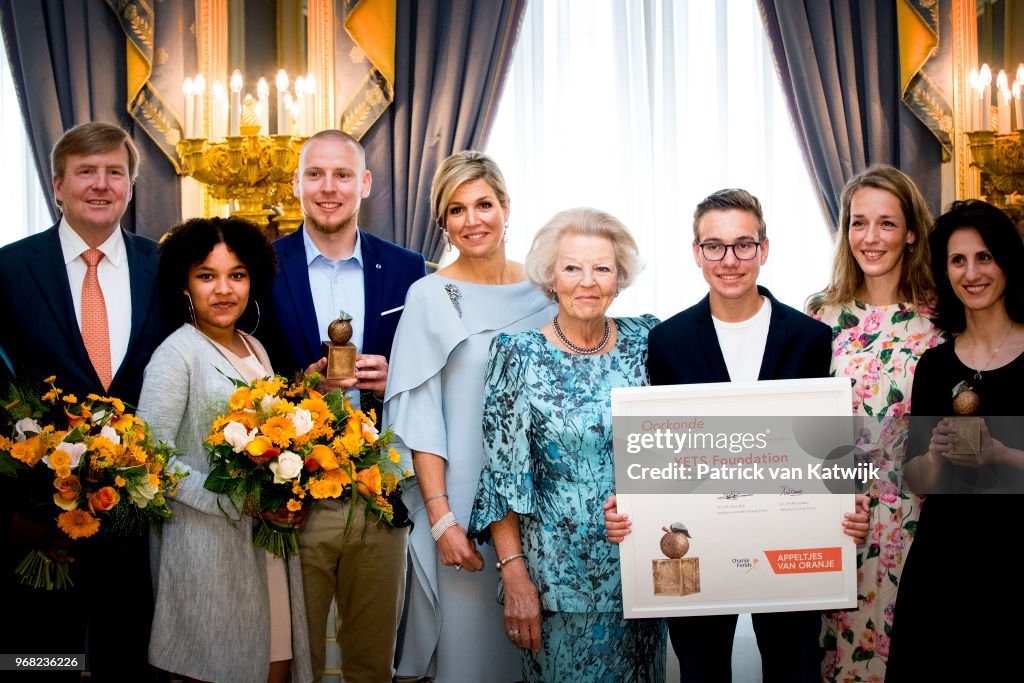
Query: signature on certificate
x=733, y=495
x=789, y=491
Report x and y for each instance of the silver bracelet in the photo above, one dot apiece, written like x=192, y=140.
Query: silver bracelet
x=442, y=526
x=501, y=563
x=435, y=497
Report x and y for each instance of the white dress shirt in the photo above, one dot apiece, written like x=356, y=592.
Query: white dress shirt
x=114, y=281
x=337, y=286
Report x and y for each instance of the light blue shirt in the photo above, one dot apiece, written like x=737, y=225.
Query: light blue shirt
x=337, y=286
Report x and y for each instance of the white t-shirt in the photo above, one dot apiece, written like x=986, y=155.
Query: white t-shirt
x=743, y=343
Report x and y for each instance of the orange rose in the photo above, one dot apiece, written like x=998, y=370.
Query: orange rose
x=104, y=499
x=368, y=481
x=67, y=488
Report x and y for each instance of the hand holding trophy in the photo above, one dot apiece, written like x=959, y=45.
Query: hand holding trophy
x=340, y=354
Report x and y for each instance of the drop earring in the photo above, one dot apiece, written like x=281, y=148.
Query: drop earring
x=191, y=310
x=447, y=239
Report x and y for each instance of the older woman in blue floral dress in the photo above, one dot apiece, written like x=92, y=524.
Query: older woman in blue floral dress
x=878, y=307
x=548, y=443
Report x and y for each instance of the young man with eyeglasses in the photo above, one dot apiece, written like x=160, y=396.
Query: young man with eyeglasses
x=738, y=332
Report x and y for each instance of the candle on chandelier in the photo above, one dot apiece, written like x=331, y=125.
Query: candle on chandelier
x=263, y=92
x=311, y=122
x=985, y=76
x=235, y=109
x=1003, y=102
x=199, y=125
x=218, y=122
x=300, y=106
x=190, y=107
x=283, y=113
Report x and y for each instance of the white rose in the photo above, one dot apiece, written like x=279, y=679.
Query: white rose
x=23, y=425
x=238, y=436
x=74, y=451
x=370, y=432
x=111, y=434
x=68, y=505
x=303, y=421
x=267, y=403
x=286, y=467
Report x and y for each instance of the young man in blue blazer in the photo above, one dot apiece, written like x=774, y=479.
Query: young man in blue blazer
x=327, y=266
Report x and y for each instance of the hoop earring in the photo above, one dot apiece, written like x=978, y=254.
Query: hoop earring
x=191, y=310
x=255, y=327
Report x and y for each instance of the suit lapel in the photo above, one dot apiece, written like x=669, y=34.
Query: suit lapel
x=707, y=340
x=373, y=283
x=142, y=269
x=51, y=276
x=777, y=326
x=296, y=274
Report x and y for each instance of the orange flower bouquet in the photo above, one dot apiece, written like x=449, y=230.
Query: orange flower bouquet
x=281, y=446
x=89, y=466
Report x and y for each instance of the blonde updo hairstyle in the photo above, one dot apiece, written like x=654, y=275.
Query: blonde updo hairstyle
x=459, y=168
x=541, y=261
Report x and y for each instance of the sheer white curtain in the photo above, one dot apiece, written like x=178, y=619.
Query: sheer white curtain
x=26, y=205
x=642, y=109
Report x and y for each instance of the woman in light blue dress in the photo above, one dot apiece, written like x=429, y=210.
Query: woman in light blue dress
x=454, y=629
x=548, y=441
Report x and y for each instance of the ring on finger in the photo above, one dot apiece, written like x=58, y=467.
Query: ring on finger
x=513, y=633
x=458, y=567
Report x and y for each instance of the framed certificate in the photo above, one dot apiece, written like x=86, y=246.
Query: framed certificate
x=736, y=493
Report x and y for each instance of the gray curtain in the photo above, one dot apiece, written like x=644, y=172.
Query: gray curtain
x=68, y=59
x=451, y=60
x=839, y=65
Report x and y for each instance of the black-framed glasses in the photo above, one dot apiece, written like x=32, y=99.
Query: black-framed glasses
x=744, y=251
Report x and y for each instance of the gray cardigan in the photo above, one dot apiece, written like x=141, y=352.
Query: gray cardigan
x=212, y=615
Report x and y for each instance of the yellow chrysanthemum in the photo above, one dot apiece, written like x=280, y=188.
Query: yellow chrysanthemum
x=388, y=482
x=5, y=443
x=51, y=396
x=279, y=429
x=239, y=398
x=120, y=481
x=293, y=505
x=393, y=455
x=216, y=439
x=70, y=398
x=63, y=472
x=59, y=459
x=269, y=387
x=328, y=487
x=50, y=380
x=78, y=524
x=29, y=451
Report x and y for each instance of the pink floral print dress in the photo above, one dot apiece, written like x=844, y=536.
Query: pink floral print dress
x=877, y=347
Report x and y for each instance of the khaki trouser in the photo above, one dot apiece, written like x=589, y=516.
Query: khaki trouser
x=363, y=568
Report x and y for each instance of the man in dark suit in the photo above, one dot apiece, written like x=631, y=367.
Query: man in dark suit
x=738, y=332
x=77, y=302
x=327, y=266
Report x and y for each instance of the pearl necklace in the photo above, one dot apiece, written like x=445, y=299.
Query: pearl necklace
x=579, y=349
x=979, y=368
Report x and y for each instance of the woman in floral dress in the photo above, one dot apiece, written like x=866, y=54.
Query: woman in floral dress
x=548, y=442
x=878, y=307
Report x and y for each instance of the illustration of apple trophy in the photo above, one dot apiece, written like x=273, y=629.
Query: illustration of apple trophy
x=968, y=429
x=677, y=575
x=341, y=355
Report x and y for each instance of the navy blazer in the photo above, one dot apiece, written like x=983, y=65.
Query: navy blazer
x=40, y=332
x=292, y=338
x=685, y=350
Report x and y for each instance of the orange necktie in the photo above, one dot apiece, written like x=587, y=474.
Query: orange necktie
x=95, y=328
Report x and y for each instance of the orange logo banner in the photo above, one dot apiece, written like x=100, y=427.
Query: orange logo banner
x=805, y=560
